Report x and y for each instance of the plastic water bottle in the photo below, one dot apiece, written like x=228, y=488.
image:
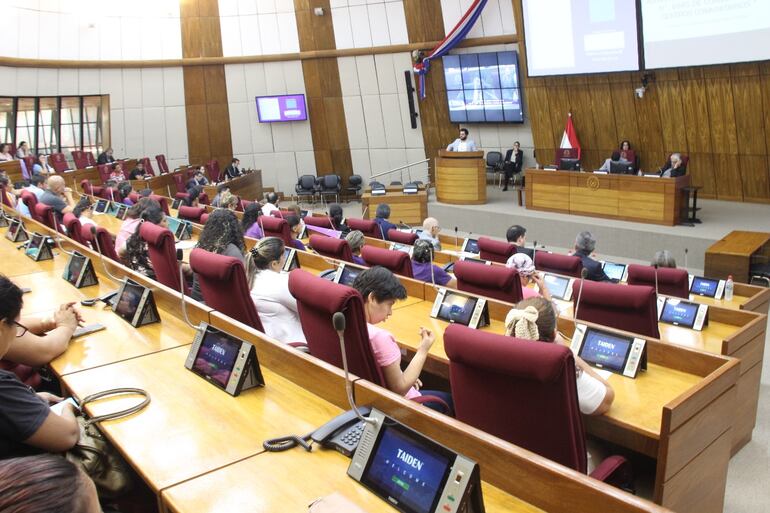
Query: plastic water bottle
x=729, y=288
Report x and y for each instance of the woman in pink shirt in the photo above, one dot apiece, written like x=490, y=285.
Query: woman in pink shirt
x=380, y=290
x=130, y=224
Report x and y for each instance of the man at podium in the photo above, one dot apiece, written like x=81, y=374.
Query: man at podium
x=462, y=143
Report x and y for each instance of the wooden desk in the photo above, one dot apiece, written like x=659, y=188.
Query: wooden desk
x=732, y=255
x=273, y=480
x=461, y=177
x=624, y=197
x=410, y=208
x=13, y=169
x=49, y=289
x=247, y=187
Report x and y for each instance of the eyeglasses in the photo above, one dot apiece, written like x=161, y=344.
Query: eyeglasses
x=20, y=329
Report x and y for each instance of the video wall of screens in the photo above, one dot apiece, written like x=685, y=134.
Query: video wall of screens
x=483, y=87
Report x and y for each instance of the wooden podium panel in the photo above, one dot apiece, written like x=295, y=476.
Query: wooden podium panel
x=409, y=208
x=247, y=187
x=624, y=197
x=461, y=177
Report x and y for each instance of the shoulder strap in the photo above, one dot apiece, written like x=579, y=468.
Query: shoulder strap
x=118, y=414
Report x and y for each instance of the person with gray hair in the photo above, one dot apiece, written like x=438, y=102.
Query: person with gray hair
x=585, y=244
x=664, y=258
x=382, y=216
x=674, y=167
x=356, y=241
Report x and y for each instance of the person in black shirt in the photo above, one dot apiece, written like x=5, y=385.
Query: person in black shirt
x=585, y=244
x=27, y=423
x=514, y=158
x=674, y=167
x=105, y=157
x=198, y=180
x=138, y=172
x=337, y=219
x=233, y=170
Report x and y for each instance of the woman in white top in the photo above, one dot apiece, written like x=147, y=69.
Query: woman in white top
x=83, y=211
x=270, y=291
x=23, y=150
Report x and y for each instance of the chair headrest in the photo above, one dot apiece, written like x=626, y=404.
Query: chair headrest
x=384, y=257
x=646, y=273
x=320, y=294
x=496, y=246
x=486, y=275
x=326, y=244
x=365, y=225
x=212, y=265
x=190, y=212
x=395, y=235
x=614, y=296
x=273, y=224
x=322, y=221
x=42, y=209
x=154, y=234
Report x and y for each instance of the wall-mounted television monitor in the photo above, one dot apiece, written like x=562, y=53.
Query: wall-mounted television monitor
x=288, y=107
x=483, y=87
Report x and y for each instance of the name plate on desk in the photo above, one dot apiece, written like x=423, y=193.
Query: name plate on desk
x=605, y=349
x=379, y=192
x=413, y=473
x=682, y=313
x=707, y=287
x=37, y=248
x=135, y=304
x=457, y=308
x=80, y=271
x=223, y=360
x=16, y=231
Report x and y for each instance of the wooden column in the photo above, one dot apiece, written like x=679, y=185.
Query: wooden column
x=331, y=147
x=424, y=23
x=208, y=116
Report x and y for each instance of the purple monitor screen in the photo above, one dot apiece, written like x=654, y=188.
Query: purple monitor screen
x=290, y=107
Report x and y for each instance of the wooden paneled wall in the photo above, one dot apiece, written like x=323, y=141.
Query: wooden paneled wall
x=208, y=116
x=326, y=111
x=718, y=115
x=424, y=23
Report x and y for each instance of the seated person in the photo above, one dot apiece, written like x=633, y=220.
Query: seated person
x=296, y=231
x=528, y=275
x=125, y=189
x=5, y=152
x=430, y=231
x=627, y=154
x=535, y=319
x=517, y=235
x=250, y=221
x=337, y=218
x=131, y=223
x=585, y=244
x=614, y=164
x=58, y=196
x=270, y=291
x=424, y=269
x=41, y=167
x=663, y=258
x=37, y=185
x=512, y=163
x=46, y=483
x=674, y=167
x=380, y=290
x=271, y=203
x=10, y=197
x=228, y=201
x=222, y=234
x=221, y=189
x=192, y=196
x=381, y=218
x=199, y=179
x=138, y=172
x=28, y=425
x=137, y=255
x=117, y=174
x=294, y=209
x=84, y=211
x=356, y=241
x=105, y=157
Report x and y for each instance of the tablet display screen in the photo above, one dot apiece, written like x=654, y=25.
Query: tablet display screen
x=101, y=206
x=679, y=313
x=290, y=260
x=471, y=246
x=216, y=357
x=33, y=246
x=457, y=308
x=614, y=271
x=73, y=270
x=557, y=285
x=13, y=228
x=129, y=300
x=704, y=287
x=605, y=350
x=349, y=275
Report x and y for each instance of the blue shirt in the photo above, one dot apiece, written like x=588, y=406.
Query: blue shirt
x=358, y=260
x=385, y=225
x=421, y=271
x=426, y=236
x=298, y=244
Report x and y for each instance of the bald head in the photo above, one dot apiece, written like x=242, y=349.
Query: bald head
x=431, y=226
x=56, y=184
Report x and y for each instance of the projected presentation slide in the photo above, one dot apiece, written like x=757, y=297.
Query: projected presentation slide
x=691, y=33
x=591, y=36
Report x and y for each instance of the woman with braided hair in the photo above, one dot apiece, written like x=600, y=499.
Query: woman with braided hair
x=535, y=319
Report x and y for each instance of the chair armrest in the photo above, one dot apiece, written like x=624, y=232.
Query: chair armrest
x=615, y=471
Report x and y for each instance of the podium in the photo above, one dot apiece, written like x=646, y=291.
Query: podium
x=461, y=177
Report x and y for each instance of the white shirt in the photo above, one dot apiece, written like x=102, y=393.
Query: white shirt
x=268, y=209
x=433, y=240
x=85, y=221
x=590, y=392
x=276, y=306
x=459, y=145
x=37, y=191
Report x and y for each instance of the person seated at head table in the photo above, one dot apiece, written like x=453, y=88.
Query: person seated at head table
x=462, y=143
x=356, y=241
x=270, y=291
x=528, y=275
x=193, y=194
x=250, y=221
x=125, y=189
x=424, y=269
x=222, y=234
x=84, y=211
x=41, y=167
x=296, y=231
x=271, y=203
x=221, y=189
x=585, y=244
x=105, y=157
x=28, y=425
x=663, y=258
x=614, y=159
x=535, y=319
x=674, y=167
x=626, y=153
x=23, y=150
x=199, y=179
x=382, y=217
x=37, y=185
x=46, y=483
x=117, y=174
x=5, y=152
x=228, y=201
x=12, y=198
x=517, y=235
x=430, y=231
x=337, y=218
x=131, y=222
x=58, y=196
x=138, y=172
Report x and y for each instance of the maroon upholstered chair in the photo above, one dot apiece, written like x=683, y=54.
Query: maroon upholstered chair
x=281, y=214
x=322, y=221
x=74, y=228
x=111, y=194
x=224, y=286
x=80, y=159
x=402, y=237
x=523, y=392
x=213, y=169
x=30, y=200
x=104, y=172
x=91, y=190
x=162, y=251
x=179, y=182
x=368, y=227
x=275, y=227
x=204, y=217
x=90, y=160
x=203, y=199
x=497, y=282
x=58, y=162
x=330, y=247
x=106, y=245
x=625, y=307
x=162, y=201
x=44, y=214
x=6, y=201
x=162, y=164
x=182, y=195
x=567, y=265
x=397, y=261
x=495, y=250
x=190, y=213
x=148, y=166
x=29, y=161
x=566, y=153
x=672, y=282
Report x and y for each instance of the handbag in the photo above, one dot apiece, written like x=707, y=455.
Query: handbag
x=93, y=452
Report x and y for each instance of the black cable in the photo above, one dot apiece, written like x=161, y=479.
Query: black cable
x=285, y=443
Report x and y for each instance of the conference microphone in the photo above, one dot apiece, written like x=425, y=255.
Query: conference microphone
x=685, y=258
x=363, y=214
x=583, y=275
x=432, y=272
x=179, y=258
x=338, y=319
x=656, y=279
x=534, y=253
x=101, y=256
x=406, y=225
x=455, y=236
x=112, y=196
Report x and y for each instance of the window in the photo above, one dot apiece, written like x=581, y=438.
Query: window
x=55, y=124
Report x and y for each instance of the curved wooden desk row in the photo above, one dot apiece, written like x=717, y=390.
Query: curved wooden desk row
x=219, y=437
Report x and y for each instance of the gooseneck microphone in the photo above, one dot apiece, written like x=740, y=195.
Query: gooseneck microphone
x=534, y=254
x=406, y=225
x=101, y=256
x=57, y=237
x=455, y=236
x=179, y=257
x=685, y=258
x=656, y=279
x=583, y=275
x=338, y=319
